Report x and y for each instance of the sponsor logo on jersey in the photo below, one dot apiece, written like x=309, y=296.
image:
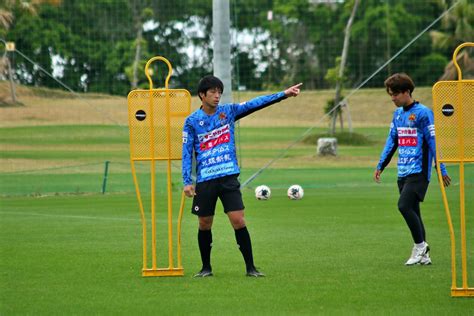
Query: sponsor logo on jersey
x=214, y=133
x=214, y=142
x=407, y=151
x=185, y=137
x=407, y=141
x=407, y=136
x=215, y=151
x=215, y=137
x=216, y=160
x=406, y=160
x=224, y=168
x=407, y=169
x=407, y=132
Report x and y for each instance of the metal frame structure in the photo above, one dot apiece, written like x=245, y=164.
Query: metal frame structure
x=156, y=118
x=453, y=107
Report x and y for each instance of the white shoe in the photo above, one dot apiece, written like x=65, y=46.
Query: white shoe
x=425, y=260
x=417, y=255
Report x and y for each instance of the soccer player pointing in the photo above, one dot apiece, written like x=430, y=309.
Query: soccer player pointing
x=208, y=133
x=412, y=131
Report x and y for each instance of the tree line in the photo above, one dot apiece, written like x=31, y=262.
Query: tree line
x=103, y=45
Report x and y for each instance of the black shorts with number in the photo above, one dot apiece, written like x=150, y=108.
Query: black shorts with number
x=227, y=189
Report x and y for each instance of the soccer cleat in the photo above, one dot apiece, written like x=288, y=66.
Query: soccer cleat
x=204, y=273
x=417, y=255
x=425, y=260
x=254, y=273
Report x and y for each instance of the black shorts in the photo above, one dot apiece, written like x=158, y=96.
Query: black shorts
x=414, y=185
x=227, y=189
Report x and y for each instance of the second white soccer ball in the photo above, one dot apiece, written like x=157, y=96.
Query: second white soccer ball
x=262, y=192
x=295, y=192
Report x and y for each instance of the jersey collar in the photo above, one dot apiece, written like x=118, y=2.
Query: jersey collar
x=408, y=107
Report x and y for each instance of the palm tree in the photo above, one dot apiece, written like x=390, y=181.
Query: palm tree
x=456, y=28
x=6, y=13
x=6, y=20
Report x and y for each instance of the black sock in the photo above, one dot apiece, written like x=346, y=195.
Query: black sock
x=245, y=245
x=205, y=245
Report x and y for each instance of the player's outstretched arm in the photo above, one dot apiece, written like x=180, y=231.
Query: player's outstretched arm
x=293, y=91
x=245, y=108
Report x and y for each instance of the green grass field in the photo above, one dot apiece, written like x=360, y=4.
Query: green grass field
x=65, y=248
x=340, y=250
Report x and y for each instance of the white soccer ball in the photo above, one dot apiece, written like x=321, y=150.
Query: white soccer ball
x=295, y=192
x=262, y=192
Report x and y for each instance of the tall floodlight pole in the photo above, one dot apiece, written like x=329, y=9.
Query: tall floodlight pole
x=221, y=34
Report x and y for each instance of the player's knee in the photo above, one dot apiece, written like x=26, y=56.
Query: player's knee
x=404, y=207
x=238, y=223
x=205, y=223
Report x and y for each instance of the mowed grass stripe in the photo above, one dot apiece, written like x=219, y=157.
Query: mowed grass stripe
x=337, y=251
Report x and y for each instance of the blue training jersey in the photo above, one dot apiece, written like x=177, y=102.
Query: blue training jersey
x=211, y=138
x=412, y=131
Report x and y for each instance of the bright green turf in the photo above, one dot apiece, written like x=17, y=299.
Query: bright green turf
x=340, y=250
x=71, y=159
x=64, y=135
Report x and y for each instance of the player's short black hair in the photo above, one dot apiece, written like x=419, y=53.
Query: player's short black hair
x=209, y=82
x=399, y=83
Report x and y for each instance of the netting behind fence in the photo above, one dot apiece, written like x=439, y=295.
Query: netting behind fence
x=56, y=139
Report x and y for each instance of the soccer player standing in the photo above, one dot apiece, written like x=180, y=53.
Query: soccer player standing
x=208, y=133
x=412, y=131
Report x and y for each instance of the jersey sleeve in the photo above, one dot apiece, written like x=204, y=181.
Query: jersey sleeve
x=187, y=157
x=391, y=145
x=243, y=109
x=429, y=137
